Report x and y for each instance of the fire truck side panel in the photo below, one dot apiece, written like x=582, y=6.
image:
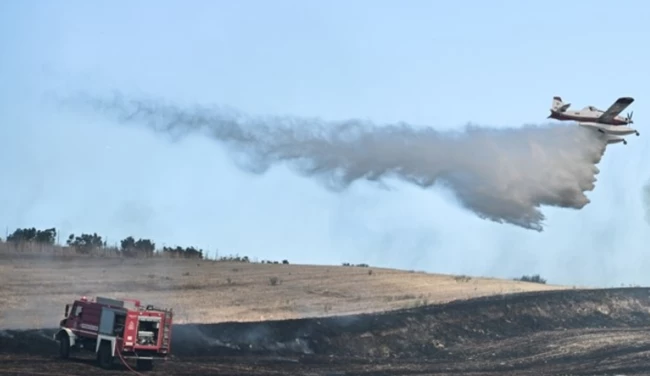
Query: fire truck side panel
x=106, y=322
x=131, y=329
x=85, y=319
x=111, y=325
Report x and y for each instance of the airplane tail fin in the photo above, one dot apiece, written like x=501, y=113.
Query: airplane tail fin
x=559, y=105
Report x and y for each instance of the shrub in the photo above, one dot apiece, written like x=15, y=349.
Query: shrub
x=531, y=278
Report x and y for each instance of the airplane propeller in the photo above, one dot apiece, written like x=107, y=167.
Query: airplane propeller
x=629, y=116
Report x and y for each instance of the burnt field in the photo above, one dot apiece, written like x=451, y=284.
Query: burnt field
x=579, y=332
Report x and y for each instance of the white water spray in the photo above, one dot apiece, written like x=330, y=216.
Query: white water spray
x=504, y=175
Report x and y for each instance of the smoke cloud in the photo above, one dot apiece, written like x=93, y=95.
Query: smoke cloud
x=504, y=175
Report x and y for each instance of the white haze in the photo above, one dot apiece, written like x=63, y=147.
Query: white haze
x=501, y=174
x=646, y=201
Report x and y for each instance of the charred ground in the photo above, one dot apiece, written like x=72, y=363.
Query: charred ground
x=556, y=332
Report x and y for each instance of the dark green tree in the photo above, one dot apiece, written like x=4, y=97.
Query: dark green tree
x=85, y=243
x=145, y=247
x=140, y=248
x=180, y=252
x=32, y=235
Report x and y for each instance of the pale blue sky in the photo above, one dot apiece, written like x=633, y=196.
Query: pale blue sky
x=439, y=64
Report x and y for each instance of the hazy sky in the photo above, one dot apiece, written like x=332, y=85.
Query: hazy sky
x=440, y=64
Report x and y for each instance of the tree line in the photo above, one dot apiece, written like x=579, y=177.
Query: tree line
x=87, y=243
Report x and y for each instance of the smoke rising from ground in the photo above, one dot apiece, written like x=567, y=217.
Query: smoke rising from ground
x=504, y=175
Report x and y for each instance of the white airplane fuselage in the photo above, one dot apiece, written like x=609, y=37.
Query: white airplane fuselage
x=587, y=115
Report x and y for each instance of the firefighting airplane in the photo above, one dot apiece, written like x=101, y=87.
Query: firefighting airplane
x=608, y=122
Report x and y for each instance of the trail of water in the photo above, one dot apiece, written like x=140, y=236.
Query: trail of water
x=501, y=174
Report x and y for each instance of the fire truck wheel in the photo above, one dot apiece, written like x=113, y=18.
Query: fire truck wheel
x=144, y=364
x=64, y=346
x=104, y=357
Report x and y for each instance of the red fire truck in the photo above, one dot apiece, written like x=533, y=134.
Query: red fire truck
x=116, y=329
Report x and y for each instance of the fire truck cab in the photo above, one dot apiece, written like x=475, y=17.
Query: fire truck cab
x=116, y=329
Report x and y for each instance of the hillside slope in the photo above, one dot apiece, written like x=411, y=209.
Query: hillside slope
x=34, y=291
x=430, y=331
x=554, y=332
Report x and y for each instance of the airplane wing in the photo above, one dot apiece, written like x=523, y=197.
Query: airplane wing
x=615, y=109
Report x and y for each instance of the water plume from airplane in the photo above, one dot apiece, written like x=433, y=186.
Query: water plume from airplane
x=646, y=201
x=501, y=174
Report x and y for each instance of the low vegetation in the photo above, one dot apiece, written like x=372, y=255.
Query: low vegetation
x=357, y=265
x=531, y=278
x=32, y=240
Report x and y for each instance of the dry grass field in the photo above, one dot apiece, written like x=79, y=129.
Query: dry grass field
x=424, y=324
x=35, y=289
